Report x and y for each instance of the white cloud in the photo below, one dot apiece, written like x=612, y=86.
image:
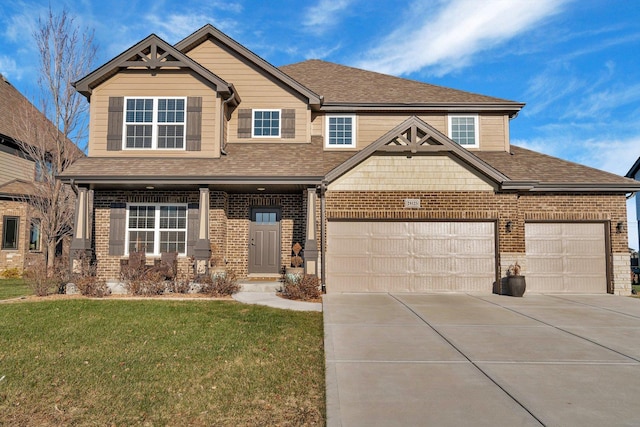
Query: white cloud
x=9, y=69
x=326, y=14
x=321, y=52
x=600, y=104
x=175, y=27
x=448, y=36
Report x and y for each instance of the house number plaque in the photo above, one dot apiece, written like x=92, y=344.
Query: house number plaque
x=412, y=203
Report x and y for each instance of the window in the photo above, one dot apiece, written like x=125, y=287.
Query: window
x=266, y=123
x=341, y=131
x=34, y=235
x=464, y=130
x=157, y=228
x=44, y=172
x=10, y=232
x=152, y=123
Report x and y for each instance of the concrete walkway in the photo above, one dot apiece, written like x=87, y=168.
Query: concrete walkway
x=272, y=300
x=482, y=360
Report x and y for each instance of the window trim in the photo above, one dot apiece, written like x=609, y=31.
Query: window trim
x=476, y=123
x=38, y=243
x=328, y=118
x=154, y=123
x=5, y=218
x=156, y=228
x=253, y=122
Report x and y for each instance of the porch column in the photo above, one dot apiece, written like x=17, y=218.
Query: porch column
x=80, y=248
x=311, y=242
x=202, y=250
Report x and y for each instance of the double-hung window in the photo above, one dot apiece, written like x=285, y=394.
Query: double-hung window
x=463, y=129
x=157, y=228
x=341, y=131
x=266, y=123
x=155, y=123
x=10, y=226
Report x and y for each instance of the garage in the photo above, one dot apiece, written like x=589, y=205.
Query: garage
x=566, y=257
x=389, y=256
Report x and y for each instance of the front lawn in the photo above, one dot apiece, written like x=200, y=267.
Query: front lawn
x=13, y=288
x=124, y=362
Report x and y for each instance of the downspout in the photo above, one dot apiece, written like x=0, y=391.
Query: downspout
x=323, y=265
x=222, y=119
x=74, y=187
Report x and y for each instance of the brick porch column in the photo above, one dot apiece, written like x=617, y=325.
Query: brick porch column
x=311, y=241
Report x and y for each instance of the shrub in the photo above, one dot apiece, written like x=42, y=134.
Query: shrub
x=11, y=273
x=91, y=286
x=220, y=284
x=147, y=284
x=38, y=279
x=305, y=287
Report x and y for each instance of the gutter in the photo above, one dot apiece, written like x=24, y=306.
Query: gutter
x=223, y=143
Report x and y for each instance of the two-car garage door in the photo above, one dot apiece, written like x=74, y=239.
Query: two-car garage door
x=385, y=256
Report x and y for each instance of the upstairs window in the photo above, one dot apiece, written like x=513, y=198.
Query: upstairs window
x=266, y=123
x=463, y=129
x=154, y=123
x=154, y=229
x=341, y=131
x=10, y=232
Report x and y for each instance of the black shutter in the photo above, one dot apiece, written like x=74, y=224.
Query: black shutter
x=117, y=228
x=244, y=123
x=193, y=226
x=194, y=123
x=289, y=123
x=114, y=123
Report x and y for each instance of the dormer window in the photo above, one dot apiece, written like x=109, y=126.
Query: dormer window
x=463, y=129
x=154, y=123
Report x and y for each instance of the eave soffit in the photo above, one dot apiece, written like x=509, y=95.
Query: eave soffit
x=415, y=137
x=209, y=31
x=151, y=54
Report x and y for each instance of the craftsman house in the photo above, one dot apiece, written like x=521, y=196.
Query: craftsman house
x=389, y=184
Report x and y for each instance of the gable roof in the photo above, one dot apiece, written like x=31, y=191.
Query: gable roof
x=634, y=169
x=342, y=85
x=209, y=31
x=151, y=53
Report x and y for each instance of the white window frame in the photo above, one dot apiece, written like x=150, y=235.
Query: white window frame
x=253, y=122
x=476, y=124
x=156, y=229
x=353, y=131
x=154, y=124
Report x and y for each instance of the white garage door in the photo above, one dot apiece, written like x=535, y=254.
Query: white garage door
x=566, y=257
x=381, y=256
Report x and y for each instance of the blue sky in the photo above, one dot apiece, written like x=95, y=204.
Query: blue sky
x=575, y=63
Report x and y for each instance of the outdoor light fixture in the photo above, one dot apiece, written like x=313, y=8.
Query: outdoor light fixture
x=619, y=227
x=260, y=188
x=509, y=226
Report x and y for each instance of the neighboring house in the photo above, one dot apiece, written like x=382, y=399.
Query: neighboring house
x=389, y=184
x=634, y=173
x=20, y=228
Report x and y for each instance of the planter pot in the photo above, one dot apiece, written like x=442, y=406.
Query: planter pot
x=516, y=285
x=298, y=271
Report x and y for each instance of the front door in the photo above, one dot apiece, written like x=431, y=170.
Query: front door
x=264, y=241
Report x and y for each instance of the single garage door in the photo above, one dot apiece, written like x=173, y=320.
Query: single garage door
x=382, y=256
x=566, y=257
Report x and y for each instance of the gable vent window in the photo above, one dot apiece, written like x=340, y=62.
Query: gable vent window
x=341, y=131
x=154, y=123
x=463, y=129
x=266, y=123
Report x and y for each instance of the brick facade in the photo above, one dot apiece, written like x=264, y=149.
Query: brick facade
x=21, y=257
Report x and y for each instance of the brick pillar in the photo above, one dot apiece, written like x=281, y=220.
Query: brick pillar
x=311, y=241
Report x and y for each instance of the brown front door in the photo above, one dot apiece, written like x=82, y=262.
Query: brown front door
x=264, y=241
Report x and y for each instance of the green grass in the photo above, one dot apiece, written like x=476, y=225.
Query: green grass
x=13, y=288
x=124, y=362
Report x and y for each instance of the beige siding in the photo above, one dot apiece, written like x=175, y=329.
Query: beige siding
x=163, y=83
x=256, y=90
x=494, y=134
x=419, y=173
x=13, y=167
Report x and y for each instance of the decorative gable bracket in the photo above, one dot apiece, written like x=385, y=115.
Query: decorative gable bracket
x=152, y=57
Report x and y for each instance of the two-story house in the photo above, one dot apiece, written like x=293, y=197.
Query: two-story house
x=389, y=184
x=20, y=124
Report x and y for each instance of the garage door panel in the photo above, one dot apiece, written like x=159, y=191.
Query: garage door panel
x=566, y=257
x=411, y=257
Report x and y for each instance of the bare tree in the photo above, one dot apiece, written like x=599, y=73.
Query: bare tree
x=66, y=54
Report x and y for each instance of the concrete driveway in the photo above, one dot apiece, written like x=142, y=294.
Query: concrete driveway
x=482, y=360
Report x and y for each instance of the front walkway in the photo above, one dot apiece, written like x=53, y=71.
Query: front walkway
x=272, y=300
x=482, y=360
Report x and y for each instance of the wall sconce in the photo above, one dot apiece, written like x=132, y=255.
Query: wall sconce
x=619, y=227
x=509, y=226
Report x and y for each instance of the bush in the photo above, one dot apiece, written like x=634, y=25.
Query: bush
x=220, y=284
x=38, y=279
x=11, y=273
x=148, y=284
x=91, y=286
x=305, y=287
